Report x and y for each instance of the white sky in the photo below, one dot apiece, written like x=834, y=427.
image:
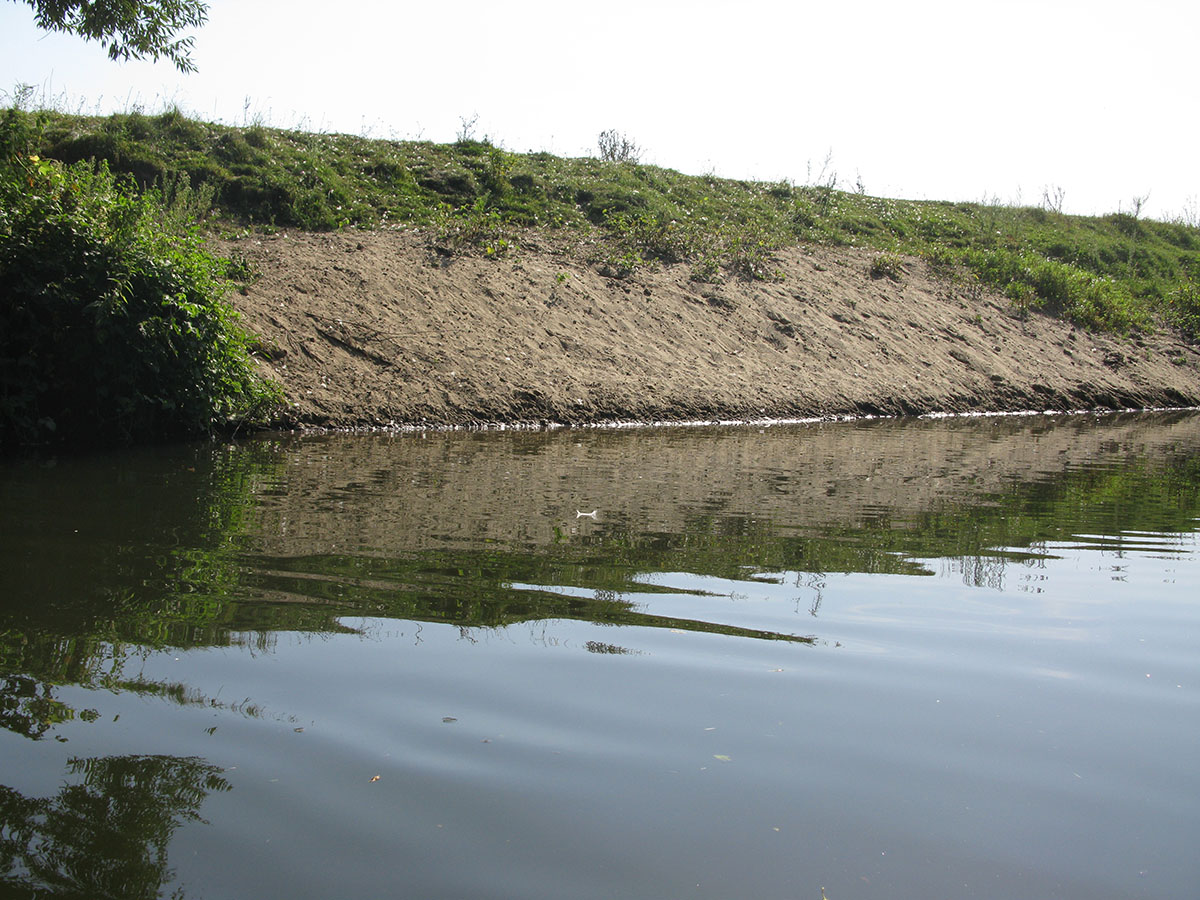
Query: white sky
x=960, y=100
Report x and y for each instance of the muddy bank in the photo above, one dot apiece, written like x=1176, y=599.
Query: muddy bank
x=379, y=328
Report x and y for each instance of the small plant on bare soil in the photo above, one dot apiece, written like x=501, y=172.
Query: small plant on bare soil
x=887, y=265
x=750, y=253
x=707, y=269
x=1023, y=297
x=474, y=226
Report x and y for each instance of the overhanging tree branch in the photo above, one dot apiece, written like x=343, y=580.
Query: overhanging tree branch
x=128, y=29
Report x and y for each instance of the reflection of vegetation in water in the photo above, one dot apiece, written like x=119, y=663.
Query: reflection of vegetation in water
x=982, y=535
x=34, y=665
x=107, y=835
x=185, y=695
x=146, y=558
x=203, y=559
x=81, y=611
x=467, y=590
x=208, y=593
x=1142, y=496
x=29, y=707
x=604, y=647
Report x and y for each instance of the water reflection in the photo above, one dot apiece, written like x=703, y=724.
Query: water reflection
x=105, y=835
x=223, y=546
x=29, y=708
x=596, y=610
x=112, y=557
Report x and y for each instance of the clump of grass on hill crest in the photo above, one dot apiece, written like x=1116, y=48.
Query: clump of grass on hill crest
x=1115, y=272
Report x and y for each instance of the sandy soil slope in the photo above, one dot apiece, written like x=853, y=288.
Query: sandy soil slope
x=382, y=328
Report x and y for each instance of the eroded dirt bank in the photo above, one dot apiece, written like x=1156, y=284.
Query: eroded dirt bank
x=379, y=328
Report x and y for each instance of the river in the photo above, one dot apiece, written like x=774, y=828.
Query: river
x=864, y=659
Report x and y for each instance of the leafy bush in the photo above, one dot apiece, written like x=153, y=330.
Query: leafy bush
x=112, y=325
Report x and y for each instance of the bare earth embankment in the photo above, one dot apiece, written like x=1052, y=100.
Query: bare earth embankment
x=379, y=328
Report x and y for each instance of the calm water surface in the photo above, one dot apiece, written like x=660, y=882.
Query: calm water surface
x=900, y=659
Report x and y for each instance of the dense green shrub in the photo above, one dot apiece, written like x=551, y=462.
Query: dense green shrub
x=112, y=324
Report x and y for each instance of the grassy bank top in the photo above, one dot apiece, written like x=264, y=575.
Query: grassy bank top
x=1114, y=272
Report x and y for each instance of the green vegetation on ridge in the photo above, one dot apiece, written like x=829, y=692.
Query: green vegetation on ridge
x=1112, y=272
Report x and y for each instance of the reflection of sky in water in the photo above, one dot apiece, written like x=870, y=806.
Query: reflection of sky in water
x=932, y=720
